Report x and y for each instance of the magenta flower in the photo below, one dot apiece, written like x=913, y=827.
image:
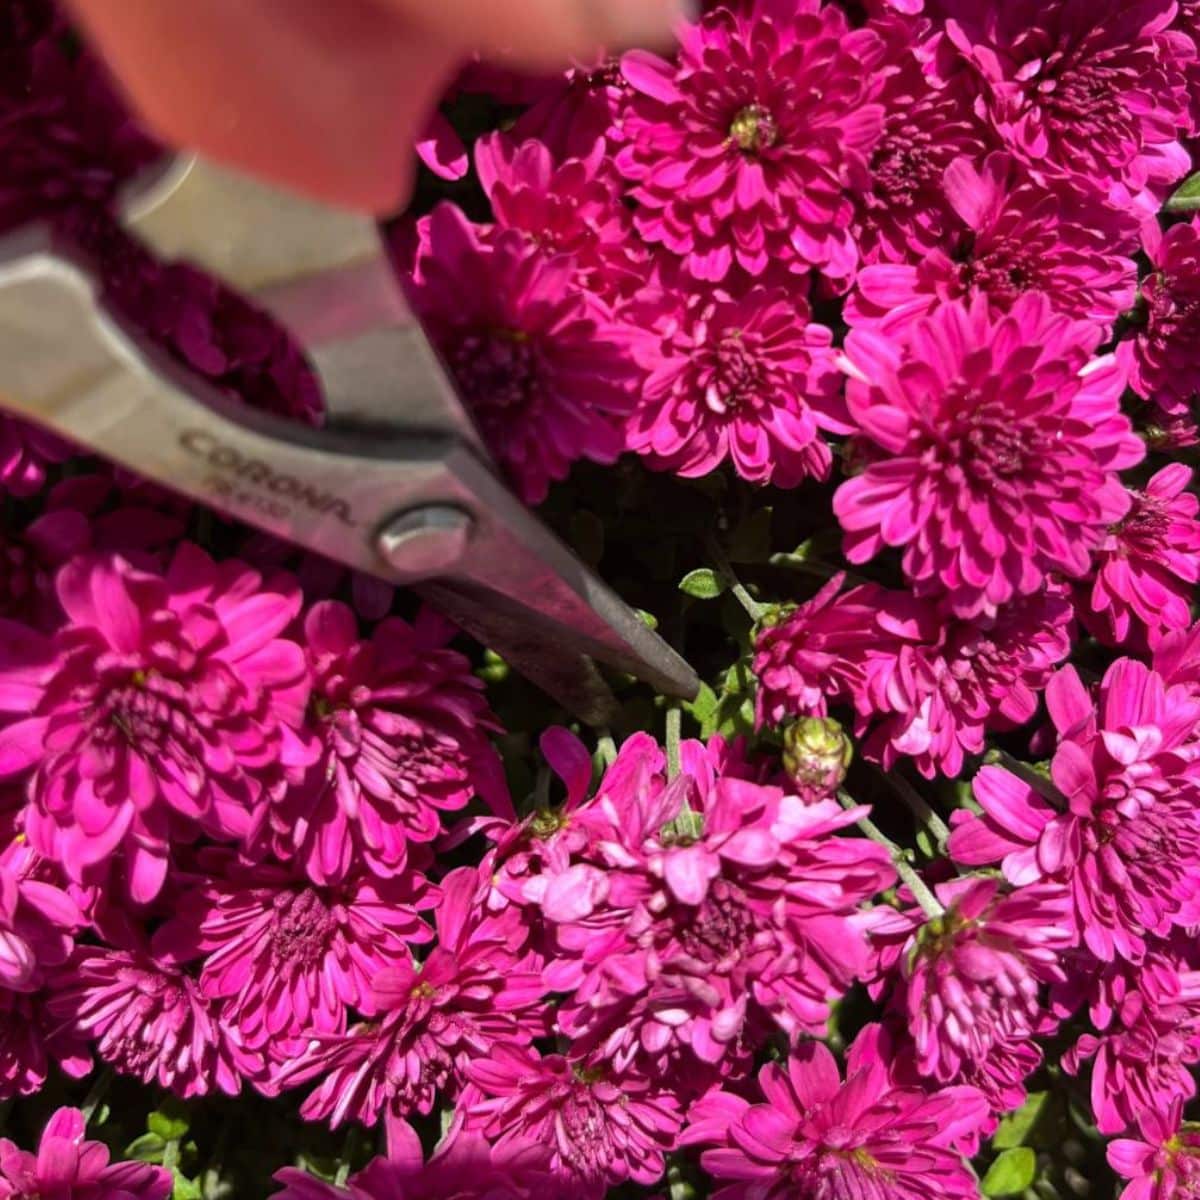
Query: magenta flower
x=998, y=439
x=934, y=701
x=969, y=982
x=1147, y=568
x=1163, y=357
x=1120, y=832
x=25, y=453
x=705, y=910
x=1094, y=93
x=1147, y=1019
x=742, y=154
x=1008, y=235
x=37, y=921
x=149, y=1019
x=431, y=1020
x=820, y=649
x=927, y=124
x=156, y=712
x=813, y=1135
x=573, y=207
x=403, y=728
x=66, y=140
x=465, y=1167
x=31, y=1039
x=1162, y=1164
x=542, y=365
x=69, y=1167
x=751, y=380
x=577, y=109
x=604, y=1129
x=287, y=957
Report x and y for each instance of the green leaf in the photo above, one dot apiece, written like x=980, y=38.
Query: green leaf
x=186, y=1189
x=169, y=1123
x=1011, y=1173
x=148, y=1148
x=704, y=705
x=751, y=540
x=703, y=584
x=1186, y=198
x=1015, y=1128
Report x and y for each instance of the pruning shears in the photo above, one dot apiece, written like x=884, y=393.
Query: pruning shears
x=397, y=483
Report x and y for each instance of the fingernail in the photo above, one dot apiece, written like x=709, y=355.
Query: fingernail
x=629, y=23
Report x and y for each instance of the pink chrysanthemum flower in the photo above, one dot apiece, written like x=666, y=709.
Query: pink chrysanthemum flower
x=578, y=109
x=1097, y=93
x=813, y=1135
x=1121, y=830
x=573, y=207
x=465, y=1167
x=69, y=1167
x=741, y=154
x=156, y=710
x=37, y=921
x=287, y=957
x=603, y=1129
x=1147, y=568
x=1163, y=356
x=1147, y=1019
x=819, y=649
x=750, y=379
x=149, y=1019
x=934, y=701
x=402, y=726
x=969, y=982
x=66, y=140
x=1164, y=1162
x=542, y=365
x=82, y=513
x=431, y=1020
x=1008, y=236
x=25, y=453
x=927, y=124
x=706, y=909
x=998, y=442
x=31, y=1039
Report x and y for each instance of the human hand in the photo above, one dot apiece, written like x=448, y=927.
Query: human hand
x=328, y=96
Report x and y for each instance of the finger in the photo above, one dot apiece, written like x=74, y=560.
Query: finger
x=324, y=97
x=547, y=33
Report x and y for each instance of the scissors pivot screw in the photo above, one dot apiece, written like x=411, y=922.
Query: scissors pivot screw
x=425, y=541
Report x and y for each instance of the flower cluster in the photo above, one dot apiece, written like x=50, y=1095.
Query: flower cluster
x=878, y=323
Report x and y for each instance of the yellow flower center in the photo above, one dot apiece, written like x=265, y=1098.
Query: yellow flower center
x=753, y=129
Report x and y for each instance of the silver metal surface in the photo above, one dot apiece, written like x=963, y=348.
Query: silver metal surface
x=398, y=486
x=425, y=541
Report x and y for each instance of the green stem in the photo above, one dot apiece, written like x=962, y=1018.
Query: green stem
x=171, y=1155
x=96, y=1094
x=674, y=726
x=929, y=903
x=349, y=1150
x=754, y=610
x=917, y=805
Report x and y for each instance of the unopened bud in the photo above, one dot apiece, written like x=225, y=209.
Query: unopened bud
x=816, y=756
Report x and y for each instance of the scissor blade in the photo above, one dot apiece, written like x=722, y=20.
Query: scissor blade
x=553, y=665
x=543, y=601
